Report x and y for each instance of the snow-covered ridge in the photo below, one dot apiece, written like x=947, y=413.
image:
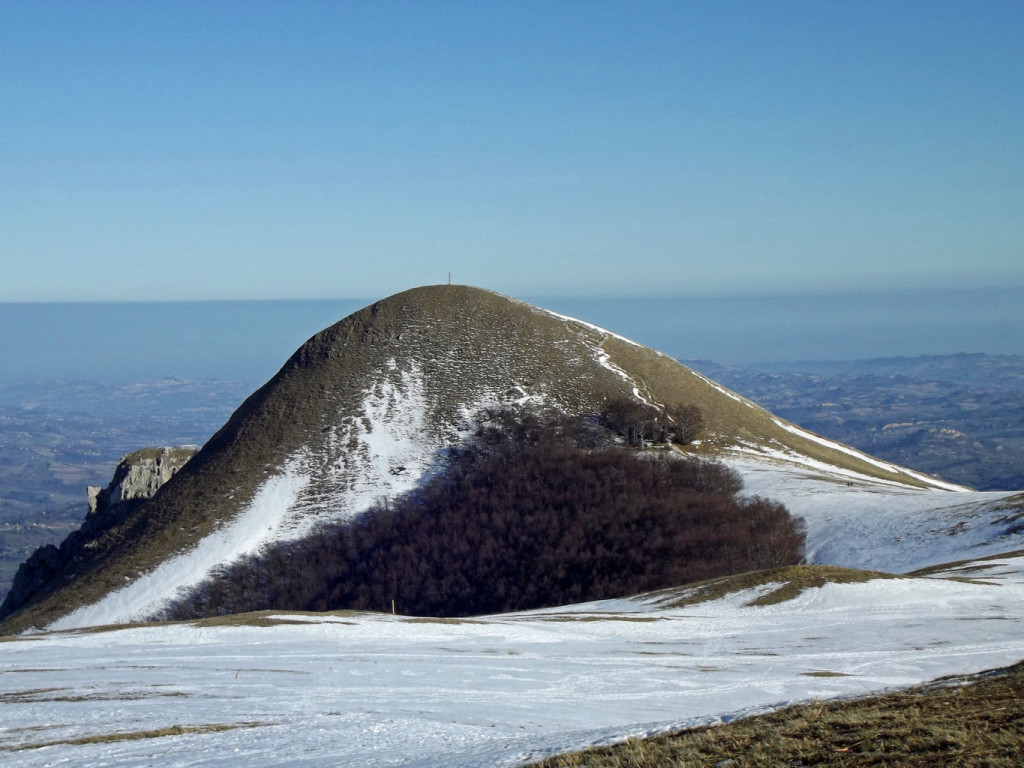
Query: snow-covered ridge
x=727, y=392
x=592, y=327
x=884, y=465
x=826, y=443
x=601, y=355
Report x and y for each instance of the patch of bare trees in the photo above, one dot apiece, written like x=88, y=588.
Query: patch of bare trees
x=642, y=424
x=524, y=517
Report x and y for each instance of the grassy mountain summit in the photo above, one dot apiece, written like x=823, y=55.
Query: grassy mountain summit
x=364, y=411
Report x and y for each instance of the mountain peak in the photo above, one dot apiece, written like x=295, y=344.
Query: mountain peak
x=366, y=409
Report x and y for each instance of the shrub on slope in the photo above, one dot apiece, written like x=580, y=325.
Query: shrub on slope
x=524, y=517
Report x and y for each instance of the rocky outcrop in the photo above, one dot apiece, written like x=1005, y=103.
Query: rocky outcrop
x=137, y=478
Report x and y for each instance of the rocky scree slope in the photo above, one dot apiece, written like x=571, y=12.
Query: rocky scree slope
x=364, y=410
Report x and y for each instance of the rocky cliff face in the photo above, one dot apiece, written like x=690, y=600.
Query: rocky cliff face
x=137, y=477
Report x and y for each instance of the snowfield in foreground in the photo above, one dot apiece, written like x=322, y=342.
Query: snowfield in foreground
x=370, y=689
x=366, y=689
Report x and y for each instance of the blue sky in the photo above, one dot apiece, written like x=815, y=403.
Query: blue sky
x=251, y=150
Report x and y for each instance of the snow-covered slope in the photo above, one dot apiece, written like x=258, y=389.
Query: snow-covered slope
x=361, y=689
x=381, y=452
x=857, y=521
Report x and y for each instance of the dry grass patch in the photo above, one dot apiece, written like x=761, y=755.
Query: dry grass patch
x=826, y=673
x=975, y=721
x=276, y=618
x=965, y=566
x=31, y=694
x=791, y=581
x=439, y=620
x=246, y=620
x=158, y=733
x=36, y=695
x=595, y=617
x=19, y=638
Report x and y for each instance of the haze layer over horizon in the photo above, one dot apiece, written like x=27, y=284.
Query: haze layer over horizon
x=249, y=340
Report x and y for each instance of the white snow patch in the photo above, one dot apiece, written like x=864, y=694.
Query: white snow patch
x=383, y=452
x=264, y=518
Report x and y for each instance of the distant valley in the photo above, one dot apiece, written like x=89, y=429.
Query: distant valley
x=954, y=416
x=57, y=437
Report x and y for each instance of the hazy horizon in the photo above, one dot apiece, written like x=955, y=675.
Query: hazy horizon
x=249, y=340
